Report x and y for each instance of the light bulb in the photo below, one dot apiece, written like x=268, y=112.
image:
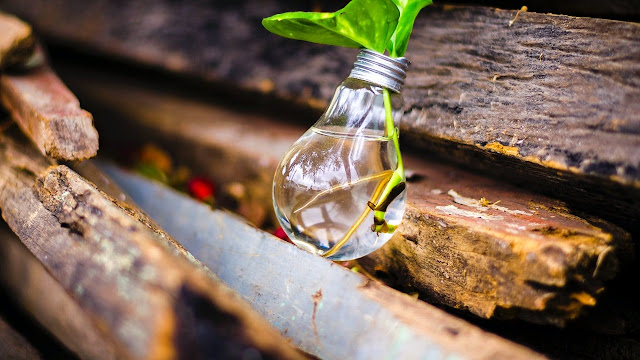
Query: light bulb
x=327, y=186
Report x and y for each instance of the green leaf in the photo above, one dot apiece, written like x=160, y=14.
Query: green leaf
x=362, y=23
x=409, y=10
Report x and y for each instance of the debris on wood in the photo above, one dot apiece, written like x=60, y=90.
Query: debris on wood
x=138, y=292
x=526, y=256
x=16, y=41
x=522, y=9
x=49, y=113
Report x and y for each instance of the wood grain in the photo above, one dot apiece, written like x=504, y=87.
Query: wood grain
x=49, y=114
x=47, y=301
x=138, y=292
x=16, y=41
x=528, y=256
x=616, y=9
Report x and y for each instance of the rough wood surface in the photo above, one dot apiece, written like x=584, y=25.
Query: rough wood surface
x=49, y=113
x=325, y=309
x=526, y=257
x=39, y=294
x=150, y=302
x=88, y=170
x=554, y=97
x=617, y=9
x=16, y=40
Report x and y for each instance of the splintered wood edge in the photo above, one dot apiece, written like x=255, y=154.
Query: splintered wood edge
x=49, y=114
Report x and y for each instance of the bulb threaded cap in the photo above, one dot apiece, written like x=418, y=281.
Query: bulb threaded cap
x=380, y=69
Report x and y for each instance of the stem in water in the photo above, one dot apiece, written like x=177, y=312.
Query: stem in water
x=396, y=184
x=392, y=188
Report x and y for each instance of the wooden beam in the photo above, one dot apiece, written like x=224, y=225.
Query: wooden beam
x=44, y=298
x=551, y=101
x=324, y=308
x=620, y=10
x=14, y=346
x=49, y=113
x=140, y=294
x=528, y=256
x=16, y=41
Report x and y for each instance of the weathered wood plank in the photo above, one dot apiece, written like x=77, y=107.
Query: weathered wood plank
x=324, y=308
x=139, y=293
x=49, y=113
x=89, y=171
x=16, y=40
x=619, y=9
x=554, y=97
x=39, y=294
x=14, y=346
x=526, y=257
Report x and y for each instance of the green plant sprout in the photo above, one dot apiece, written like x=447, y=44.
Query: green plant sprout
x=378, y=25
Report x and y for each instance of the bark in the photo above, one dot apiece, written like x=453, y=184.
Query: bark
x=136, y=290
x=527, y=256
x=16, y=41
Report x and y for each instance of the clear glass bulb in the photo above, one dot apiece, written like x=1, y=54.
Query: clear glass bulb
x=324, y=185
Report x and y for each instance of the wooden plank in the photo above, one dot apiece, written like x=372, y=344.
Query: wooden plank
x=49, y=113
x=16, y=40
x=620, y=9
x=324, y=308
x=526, y=257
x=554, y=97
x=140, y=294
x=14, y=346
x=39, y=294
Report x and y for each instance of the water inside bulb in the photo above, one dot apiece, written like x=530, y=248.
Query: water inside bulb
x=324, y=183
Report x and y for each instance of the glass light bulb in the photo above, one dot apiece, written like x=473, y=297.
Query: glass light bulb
x=326, y=184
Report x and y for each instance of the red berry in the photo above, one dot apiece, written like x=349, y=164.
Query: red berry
x=279, y=233
x=201, y=188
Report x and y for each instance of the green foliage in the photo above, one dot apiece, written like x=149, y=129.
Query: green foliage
x=373, y=24
x=362, y=23
x=409, y=10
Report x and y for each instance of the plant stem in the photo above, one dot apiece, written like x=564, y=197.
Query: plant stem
x=396, y=179
x=391, y=129
x=356, y=224
x=398, y=175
